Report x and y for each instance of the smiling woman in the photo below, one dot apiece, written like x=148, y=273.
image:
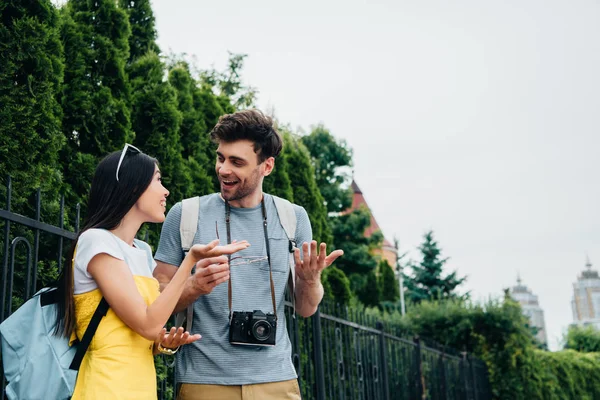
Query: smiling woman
x=109, y=263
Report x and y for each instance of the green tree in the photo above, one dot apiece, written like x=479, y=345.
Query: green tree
x=358, y=260
x=336, y=286
x=348, y=232
x=427, y=282
x=143, y=31
x=387, y=282
x=370, y=293
x=31, y=70
x=329, y=158
x=193, y=131
x=305, y=190
x=95, y=94
x=278, y=182
x=156, y=121
x=229, y=84
x=583, y=339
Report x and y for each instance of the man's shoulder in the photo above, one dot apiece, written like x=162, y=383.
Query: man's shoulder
x=294, y=205
x=298, y=209
x=206, y=200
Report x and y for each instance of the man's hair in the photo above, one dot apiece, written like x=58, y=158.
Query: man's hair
x=250, y=125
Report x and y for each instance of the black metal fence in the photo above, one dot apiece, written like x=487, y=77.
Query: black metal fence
x=338, y=353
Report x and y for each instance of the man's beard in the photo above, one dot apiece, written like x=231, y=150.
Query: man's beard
x=244, y=189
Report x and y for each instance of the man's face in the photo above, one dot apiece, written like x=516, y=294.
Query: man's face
x=238, y=169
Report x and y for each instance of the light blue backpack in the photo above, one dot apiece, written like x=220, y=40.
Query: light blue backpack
x=38, y=364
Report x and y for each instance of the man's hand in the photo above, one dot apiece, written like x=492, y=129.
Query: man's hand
x=200, y=251
x=311, y=265
x=210, y=272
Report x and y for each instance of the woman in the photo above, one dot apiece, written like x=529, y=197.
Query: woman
x=126, y=191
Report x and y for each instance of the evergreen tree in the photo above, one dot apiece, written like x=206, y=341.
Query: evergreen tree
x=329, y=156
x=305, y=190
x=193, y=131
x=278, y=183
x=336, y=286
x=387, y=282
x=427, y=282
x=211, y=106
x=95, y=95
x=156, y=120
x=370, y=293
x=143, y=31
x=31, y=70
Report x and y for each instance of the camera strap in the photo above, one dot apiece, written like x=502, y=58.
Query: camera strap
x=227, y=223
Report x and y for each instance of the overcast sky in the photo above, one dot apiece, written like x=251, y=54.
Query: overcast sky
x=477, y=119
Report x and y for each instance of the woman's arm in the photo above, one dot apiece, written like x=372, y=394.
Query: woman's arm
x=118, y=287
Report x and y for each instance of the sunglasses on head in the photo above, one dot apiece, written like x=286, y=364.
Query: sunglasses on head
x=127, y=147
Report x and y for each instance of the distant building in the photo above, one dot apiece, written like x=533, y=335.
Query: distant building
x=531, y=309
x=586, y=298
x=387, y=250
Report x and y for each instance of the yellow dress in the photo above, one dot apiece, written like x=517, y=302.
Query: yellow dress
x=119, y=362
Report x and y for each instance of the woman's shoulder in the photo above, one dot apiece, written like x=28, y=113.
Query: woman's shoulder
x=95, y=234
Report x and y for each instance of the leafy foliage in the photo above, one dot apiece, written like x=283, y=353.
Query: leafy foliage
x=583, y=339
x=329, y=156
x=304, y=186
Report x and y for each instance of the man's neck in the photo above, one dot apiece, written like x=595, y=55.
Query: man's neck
x=250, y=201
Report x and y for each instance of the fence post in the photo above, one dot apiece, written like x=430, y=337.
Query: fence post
x=5, y=261
x=473, y=380
x=419, y=369
x=465, y=373
x=318, y=355
x=442, y=367
x=384, y=366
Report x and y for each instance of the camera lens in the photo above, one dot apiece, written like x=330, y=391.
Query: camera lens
x=261, y=330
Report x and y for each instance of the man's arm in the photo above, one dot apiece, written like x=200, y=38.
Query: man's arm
x=309, y=290
x=202, y=282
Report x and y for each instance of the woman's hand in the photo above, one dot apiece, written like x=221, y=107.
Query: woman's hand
x=200, y=251
x=175, y=338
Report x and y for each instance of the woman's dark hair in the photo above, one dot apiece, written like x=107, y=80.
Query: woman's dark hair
x=250, y=125
x=109, y=201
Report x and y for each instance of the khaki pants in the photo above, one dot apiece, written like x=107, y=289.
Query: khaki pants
x=285, y=390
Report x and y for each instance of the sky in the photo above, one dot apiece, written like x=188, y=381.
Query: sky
x=476, y=119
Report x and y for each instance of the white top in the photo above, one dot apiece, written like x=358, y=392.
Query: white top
x=96, y=241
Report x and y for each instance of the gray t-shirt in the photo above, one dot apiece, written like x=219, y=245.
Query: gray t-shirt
x=212, y=359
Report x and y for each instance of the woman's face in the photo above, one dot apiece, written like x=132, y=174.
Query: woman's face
x=152, y=204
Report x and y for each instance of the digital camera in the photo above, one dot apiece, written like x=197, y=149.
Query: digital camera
x=252, y=328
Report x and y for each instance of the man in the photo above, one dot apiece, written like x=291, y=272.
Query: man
x=214, y=368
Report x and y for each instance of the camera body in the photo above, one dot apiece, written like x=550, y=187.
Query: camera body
x=252, y=328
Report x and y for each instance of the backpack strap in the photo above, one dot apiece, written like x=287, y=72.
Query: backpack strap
x=190, y=208
x=140, y=244
x=100, y=312
x=190, y=211
x=287, y=219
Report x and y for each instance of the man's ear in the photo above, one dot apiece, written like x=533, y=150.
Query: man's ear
x=269, y=165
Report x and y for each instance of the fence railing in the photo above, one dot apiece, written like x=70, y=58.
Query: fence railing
x=337, y=353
